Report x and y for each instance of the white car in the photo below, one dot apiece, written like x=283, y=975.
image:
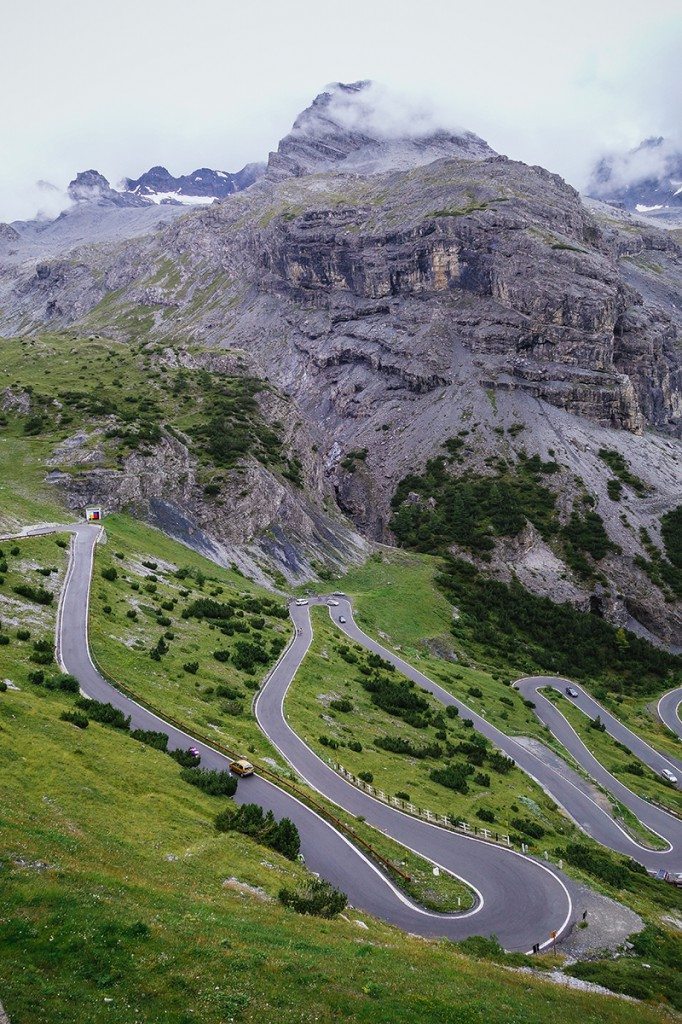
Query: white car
x=301, y=601
x=571, y=692
x=332, y=604
x=668, y=775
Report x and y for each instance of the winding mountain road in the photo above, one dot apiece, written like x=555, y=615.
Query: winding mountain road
x=519, y=899
x=561, y=785
x=592, y=709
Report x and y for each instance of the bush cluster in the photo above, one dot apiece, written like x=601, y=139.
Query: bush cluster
x=317, y=898
x=454, y=776
x=505, y=622
x=528, y=827
x=250, y=819
x=342, y=704
x=400, y=745
x=76, y=718
x=105, y=713
x=37, y=594
x=212, y=782
x=600, y=864
x=398, y=697
x=471, y=510
x=152, y=738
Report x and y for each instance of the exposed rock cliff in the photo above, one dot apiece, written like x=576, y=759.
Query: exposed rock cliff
x=457, y=292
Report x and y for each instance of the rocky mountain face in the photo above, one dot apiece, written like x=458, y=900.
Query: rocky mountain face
x=100, y=213
x=646, y=181
x=458, y=296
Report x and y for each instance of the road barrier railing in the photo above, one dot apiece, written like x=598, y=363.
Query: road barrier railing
x=664, y=807
x=444, y=820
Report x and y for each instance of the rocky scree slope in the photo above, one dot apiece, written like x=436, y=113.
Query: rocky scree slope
x=397, y=310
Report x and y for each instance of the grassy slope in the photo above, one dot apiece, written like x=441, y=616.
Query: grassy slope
x=47, y=908
x=639, y=714
x=192, y=699
x=121, y=645
x=395, y=599
x=114, y=908
x=17, y=612
x=24, y=497
x=117, y=397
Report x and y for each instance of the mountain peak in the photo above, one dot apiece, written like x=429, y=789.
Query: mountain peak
x=92, y=187
x=360, y=127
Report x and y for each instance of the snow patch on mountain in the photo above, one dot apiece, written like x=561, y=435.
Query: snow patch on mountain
x=179, y=197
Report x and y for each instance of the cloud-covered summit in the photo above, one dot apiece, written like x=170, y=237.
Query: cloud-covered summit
x=365, y=127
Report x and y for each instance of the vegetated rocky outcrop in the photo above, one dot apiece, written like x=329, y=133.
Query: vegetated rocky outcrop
x=242, y=485
x=397, y=300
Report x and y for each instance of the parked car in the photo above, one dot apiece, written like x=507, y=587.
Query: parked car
x=339, y=593
x=332, y=604
x=342, y=618
x=671, y=877
x=571, y=692
x=242, y=767
x=668, y=775
x=301, y=601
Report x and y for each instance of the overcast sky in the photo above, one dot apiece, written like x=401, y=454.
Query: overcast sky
x=122, y=86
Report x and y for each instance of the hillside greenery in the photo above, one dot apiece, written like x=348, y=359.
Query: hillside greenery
x=122, y=902
x=127, y=398
x=505, y=624
x=471, y=510
x=441, y=507
x=401, y=739
x=104, y=840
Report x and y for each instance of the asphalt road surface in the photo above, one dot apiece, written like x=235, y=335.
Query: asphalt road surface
x=668, y=711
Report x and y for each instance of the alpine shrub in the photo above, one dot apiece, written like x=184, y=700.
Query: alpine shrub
x=37, y=594
x=75, y=718
x=158, y=740
x=107, y=714
x=318, y=898
x=185, y=758
x=212, y=782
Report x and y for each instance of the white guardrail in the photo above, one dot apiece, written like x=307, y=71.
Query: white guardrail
x=444, y=820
